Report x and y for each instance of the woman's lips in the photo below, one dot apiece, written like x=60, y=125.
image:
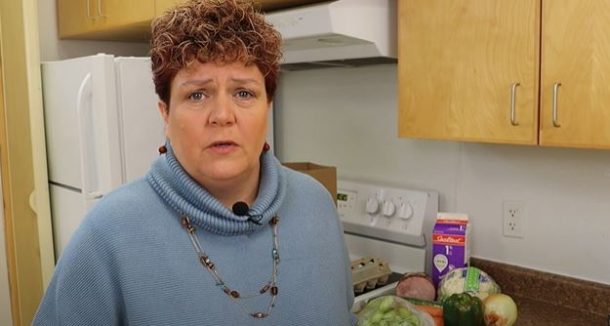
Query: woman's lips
x=222, y=147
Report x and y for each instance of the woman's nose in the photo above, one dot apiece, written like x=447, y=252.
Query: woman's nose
x=222, y=112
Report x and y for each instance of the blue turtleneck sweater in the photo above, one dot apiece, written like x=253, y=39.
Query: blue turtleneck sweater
x=131, y=262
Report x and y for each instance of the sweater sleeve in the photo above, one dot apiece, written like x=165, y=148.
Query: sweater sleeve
x=84, y=289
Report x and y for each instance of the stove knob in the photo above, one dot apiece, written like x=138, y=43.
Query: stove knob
x=372, y=205
x=388, y=208
x=405, y=211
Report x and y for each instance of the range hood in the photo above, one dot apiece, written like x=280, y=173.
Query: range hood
x=337, y=33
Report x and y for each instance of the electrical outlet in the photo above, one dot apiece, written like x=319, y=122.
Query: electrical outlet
x=513, y=213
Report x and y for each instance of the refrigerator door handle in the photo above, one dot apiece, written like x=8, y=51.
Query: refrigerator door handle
x=81, y=113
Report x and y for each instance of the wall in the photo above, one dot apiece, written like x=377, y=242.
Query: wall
x=51, y=48
x=347, y=117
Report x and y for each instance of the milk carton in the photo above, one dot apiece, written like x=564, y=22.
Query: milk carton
x=450, y=244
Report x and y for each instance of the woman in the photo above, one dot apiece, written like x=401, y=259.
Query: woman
x=218, y=232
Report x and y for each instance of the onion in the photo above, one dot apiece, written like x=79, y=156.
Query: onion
x=500, y=310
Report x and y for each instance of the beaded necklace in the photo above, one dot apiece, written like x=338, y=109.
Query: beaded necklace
x=206, y=262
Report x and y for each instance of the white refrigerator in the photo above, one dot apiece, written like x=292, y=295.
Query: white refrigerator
x=102, y=129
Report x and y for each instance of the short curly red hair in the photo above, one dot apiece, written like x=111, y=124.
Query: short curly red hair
x=221, y=31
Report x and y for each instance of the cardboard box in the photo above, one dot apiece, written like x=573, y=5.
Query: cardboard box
x=450, y=244
x=326, y=175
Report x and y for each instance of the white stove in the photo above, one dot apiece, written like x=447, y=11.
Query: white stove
x=390, y=223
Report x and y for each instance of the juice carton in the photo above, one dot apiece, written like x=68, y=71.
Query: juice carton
x=450, y=244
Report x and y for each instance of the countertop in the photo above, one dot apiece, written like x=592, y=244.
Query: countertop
x=543, y=298
x=532, y=312
x=548, y=299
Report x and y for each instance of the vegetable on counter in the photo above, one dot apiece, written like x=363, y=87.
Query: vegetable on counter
x=467, y=279
x=432, y=308
x=499, y=310
x=392, y=310
x=463, y=309
x=416, y=285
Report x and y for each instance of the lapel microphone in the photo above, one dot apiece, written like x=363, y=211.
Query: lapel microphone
x=240, y=208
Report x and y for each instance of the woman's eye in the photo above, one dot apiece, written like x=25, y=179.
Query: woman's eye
x=244, y=94
x=196, y=96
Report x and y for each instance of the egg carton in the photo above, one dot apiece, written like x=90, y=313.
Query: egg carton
x=369, y=272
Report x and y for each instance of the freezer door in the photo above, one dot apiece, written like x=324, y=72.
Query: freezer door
x=81, y=124
x=68, y=209
x=141, y=125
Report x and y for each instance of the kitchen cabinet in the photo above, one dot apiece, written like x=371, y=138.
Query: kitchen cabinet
x=458, y=62
x=576, y=58
x=492, y=71
x=266, y=5
x=163, y=5
x=269, y=5
x=119, y=20
x=105, y=19
x=74, y=17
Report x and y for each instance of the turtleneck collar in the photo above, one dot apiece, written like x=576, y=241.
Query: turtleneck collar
x=186, y=196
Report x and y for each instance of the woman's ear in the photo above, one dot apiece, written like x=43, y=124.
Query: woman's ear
x=163, y=110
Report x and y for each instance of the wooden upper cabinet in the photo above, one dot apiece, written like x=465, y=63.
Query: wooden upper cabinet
x=105, y=19
x=126, y=20
x=122, y=12
x=162, y=6
x=458, y=62
x=468, y=70
x=575, y=56
x=266, y=5
x=75, y=17
x=269, y=5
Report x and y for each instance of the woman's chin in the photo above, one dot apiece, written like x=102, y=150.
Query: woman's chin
x=225, y=171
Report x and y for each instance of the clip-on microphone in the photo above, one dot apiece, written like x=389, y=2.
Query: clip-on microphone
x=240, y=208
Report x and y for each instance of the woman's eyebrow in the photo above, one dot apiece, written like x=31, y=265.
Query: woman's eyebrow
x=196, y=82
x=245, y=80
x=201, y=82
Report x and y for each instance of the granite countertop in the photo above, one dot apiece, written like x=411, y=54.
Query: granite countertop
x=549, y=299
x=535, y=313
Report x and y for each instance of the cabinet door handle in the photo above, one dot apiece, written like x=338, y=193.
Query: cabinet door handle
x=100, y=14
x=555, y=91
x=89, y=9
x=513, y=103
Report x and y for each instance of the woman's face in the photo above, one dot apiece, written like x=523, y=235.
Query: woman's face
x=217, y=121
